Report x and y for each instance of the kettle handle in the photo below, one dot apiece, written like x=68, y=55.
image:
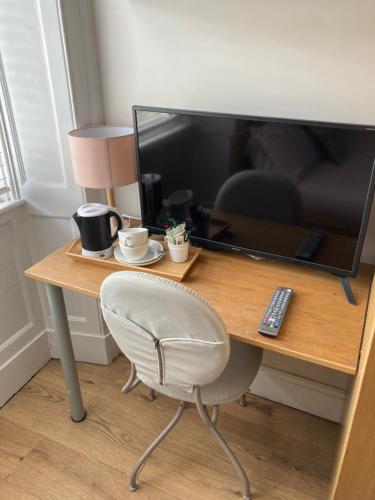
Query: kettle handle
x=77, y=219
x=112, y=213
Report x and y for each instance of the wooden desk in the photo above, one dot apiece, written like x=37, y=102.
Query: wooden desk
x=320, y=326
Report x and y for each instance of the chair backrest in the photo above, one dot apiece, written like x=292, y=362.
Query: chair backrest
x=168, y=331
x=263, y=195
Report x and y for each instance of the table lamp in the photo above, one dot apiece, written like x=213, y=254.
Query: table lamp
x=103, y=157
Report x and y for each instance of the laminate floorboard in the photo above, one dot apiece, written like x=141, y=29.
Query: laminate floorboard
x=287, y=454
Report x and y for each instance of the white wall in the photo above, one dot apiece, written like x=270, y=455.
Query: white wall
x=308, y=60
x=287, y=58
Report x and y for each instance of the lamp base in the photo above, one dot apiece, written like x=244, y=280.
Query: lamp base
x=100, y=254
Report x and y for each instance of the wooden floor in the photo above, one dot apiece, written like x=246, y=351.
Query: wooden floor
x=44, y=455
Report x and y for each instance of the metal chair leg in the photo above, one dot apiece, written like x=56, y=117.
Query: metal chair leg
x=232, y=457
x=243, y=401
x=132, y=382
x=215, y=414
x=152, y=395
x=153, y=445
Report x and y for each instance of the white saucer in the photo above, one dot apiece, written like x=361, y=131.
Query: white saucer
x=154, y=253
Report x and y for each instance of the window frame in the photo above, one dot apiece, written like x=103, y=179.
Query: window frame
x=9, y=141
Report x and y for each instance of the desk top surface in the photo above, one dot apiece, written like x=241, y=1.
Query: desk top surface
x=320, y=325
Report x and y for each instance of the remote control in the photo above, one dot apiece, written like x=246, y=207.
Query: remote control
x=271, y=322
x=311, y=243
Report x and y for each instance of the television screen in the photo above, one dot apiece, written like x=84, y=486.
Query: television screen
x=262, y=186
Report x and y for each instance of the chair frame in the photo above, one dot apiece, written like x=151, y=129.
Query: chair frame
x=209, y=421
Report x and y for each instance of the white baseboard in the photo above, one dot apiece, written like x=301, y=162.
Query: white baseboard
x=291, y=390
x=99, y=349
x=301, y=393
x=23, y=365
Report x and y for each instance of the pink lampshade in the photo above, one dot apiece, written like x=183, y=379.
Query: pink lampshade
x=103, y=157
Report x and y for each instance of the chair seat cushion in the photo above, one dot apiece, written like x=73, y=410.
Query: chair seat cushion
x=239, y=373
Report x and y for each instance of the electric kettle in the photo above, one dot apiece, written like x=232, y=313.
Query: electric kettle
x=94, y=224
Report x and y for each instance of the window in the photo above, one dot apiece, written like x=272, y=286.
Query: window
x=9, y=152
x=5, y=190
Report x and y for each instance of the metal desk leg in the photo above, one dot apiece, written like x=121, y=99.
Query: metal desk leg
x=60, y=320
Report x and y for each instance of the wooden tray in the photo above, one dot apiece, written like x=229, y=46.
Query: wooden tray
x=164, y=267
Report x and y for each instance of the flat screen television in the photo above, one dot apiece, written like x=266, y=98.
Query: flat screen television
x=256, y=185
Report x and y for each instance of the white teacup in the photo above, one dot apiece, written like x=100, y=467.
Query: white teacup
x=134, y=253
x=133, y=237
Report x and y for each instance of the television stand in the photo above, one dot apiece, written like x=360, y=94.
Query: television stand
x=348, y=290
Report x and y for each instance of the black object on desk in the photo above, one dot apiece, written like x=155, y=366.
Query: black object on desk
x=311, y=244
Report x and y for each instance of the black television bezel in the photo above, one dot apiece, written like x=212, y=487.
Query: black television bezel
x=248, y=251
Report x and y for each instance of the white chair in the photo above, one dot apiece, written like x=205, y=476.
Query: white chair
x=264, y=195
x=178, y=346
